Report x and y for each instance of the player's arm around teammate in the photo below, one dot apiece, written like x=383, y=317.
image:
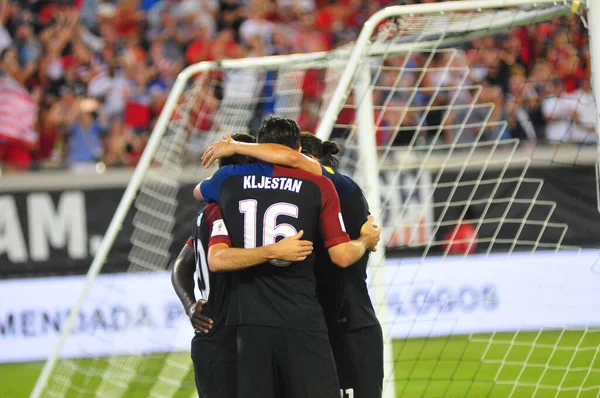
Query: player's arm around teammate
x=268, y=152
x=344, y=254
x=182, y=278
x=223, y=257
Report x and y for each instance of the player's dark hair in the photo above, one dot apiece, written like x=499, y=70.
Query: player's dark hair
x=323, y=151
x=238, y=159
x=279, y=130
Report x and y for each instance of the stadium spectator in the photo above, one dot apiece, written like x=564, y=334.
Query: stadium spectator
x=397, y=125
x=521, y=104
x=256, y=26
x=559, y=112
x=18, y=114
x=85, y=135
x=309, y=116
x=435, y=87
x=582, y=130
x=126, y=54
x=5, y=38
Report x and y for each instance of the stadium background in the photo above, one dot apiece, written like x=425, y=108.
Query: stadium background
x=91, y=78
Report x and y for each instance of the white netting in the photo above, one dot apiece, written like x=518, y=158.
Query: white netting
x=448, y=154
x=214, y=102
x=436, y=111
x=459, y=149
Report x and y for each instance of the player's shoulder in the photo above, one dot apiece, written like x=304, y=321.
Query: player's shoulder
x=343, y=184
x=320, y=180
x=332, y=173
x=209, y=207
x=210, y=189
x=351, y=182
x=244, y=169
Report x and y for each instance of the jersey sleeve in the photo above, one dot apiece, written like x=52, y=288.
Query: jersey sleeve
x=211, y=187
x=216, y=226
x=330, y=220
x=190, y=242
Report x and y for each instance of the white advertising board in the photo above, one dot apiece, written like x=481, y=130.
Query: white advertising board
x=481, y=294
x=133, y=313
x=124, y=313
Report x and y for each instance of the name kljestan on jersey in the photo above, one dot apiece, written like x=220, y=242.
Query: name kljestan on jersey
x=283, y=183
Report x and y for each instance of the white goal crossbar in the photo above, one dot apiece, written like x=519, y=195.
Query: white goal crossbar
x=352, y=78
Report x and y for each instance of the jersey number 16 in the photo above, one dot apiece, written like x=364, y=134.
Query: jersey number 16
x=271, y=230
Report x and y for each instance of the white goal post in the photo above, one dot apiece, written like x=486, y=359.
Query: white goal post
x=352, y=76
x=360, y=78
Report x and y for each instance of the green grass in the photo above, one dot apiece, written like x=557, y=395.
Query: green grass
x=499, y=365
x=17, y=379
x=455, y=366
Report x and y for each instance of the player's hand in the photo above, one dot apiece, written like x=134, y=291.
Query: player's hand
x=292, y=248
x=217, y=150
x=371, y=234
x=200, y=322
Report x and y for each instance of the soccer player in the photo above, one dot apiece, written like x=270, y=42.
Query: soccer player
x=214, y=344
x=283, y=347
x=354, y=331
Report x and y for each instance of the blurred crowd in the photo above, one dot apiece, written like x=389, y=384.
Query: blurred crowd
x=83, y=81
x=537, y=78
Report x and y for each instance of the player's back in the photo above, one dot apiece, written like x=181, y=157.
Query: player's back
x=219, y=343
x=261, y=204
x=343, y=292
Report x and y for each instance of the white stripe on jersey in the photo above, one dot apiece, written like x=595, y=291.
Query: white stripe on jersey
x=202, y=265
x=342, y=222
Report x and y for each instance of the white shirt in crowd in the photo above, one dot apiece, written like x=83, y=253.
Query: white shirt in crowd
x=583, y=130
x=562, y=113
x=112, y=88
x=258, y=27
x=5, y=39
x=304, y=5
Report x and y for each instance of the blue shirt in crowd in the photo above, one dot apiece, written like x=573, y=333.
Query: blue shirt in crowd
x=85, y=143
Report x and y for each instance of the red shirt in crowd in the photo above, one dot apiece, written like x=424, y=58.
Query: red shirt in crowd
x=462, y=239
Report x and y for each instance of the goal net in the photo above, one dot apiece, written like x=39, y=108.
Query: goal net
x=452, y=117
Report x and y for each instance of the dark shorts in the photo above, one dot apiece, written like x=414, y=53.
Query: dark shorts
x=283, y=363
x=216, y=379
x=359, y=360
x=215, y=367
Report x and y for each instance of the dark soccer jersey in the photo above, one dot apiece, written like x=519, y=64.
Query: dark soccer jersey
x=209, y=229
x=261, y=204
x=343, y=292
